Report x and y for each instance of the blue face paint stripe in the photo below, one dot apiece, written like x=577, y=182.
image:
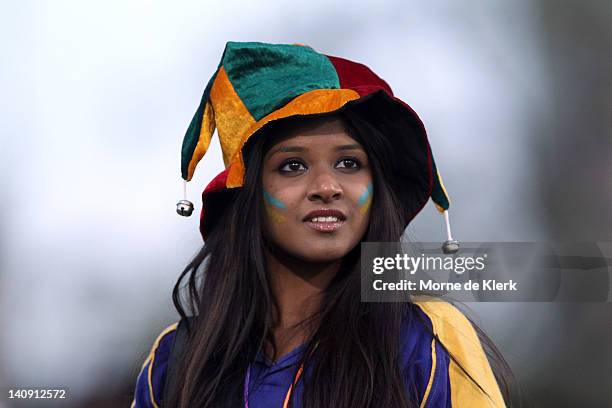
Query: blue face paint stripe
x=365, y=195
x=274, y=201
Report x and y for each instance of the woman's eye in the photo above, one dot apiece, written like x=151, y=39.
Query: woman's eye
x=348, y=163
x=292, y=166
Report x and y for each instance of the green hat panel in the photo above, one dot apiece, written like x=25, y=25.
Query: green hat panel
x=267, y=76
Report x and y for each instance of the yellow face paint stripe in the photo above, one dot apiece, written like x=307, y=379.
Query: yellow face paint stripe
x=275, y=215
x=316, y=101
x=366, y=206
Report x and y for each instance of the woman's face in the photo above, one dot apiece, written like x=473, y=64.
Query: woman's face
x=318, y=190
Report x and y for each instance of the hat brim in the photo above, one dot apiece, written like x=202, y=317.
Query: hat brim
x=412, y=160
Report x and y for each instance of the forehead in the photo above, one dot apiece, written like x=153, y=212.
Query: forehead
x=326, y=131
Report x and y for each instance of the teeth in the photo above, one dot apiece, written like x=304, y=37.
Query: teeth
x=324, y=219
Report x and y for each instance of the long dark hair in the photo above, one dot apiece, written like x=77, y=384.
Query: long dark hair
x=226, y=287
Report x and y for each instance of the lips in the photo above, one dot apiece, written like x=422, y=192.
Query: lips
x=325, y=220
x=325, y=213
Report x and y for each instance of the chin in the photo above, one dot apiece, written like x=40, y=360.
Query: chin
x=323, y=252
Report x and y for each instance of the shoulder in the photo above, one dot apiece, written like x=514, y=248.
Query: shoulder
x=150, y=382
x=440, y=352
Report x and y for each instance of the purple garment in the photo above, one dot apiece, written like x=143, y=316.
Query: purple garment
x=150, y=382
x=269, y=382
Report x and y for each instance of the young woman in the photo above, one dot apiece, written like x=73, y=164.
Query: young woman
x=319, y=157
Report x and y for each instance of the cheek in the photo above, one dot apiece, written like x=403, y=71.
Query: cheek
x=275, y=207
x=275, y=216
x=365, y=199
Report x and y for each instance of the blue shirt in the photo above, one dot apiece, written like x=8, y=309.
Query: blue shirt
x=426, y=366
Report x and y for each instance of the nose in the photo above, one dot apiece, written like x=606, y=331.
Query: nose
x=324, y=187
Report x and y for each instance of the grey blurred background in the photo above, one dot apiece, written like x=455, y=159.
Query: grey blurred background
x=96, y=96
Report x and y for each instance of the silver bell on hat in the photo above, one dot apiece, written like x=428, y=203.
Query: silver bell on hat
x=184, y=208
x=450, y=246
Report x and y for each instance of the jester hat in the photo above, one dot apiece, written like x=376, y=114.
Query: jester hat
x=256, y=84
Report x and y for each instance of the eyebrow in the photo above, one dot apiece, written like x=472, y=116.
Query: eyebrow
x=299, y=149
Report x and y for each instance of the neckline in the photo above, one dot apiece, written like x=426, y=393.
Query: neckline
x=285, y=360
